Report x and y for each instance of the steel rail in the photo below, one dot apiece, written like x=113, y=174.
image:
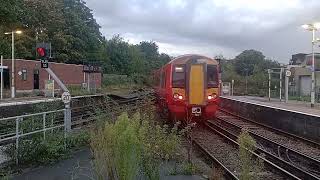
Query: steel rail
x=290, y=135
x=270, y=143
x=274, y=162
x=228, y=173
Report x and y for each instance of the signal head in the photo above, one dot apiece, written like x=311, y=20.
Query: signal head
x=41, y=52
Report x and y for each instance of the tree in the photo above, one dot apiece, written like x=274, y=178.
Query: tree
x=245, y=62
x=68, y=24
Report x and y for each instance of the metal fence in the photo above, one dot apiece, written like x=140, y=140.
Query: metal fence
x=16, y=128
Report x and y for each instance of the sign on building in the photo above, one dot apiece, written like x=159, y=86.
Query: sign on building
x=49, y=88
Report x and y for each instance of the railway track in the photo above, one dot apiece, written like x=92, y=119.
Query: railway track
x=228, y=174
x=86, y=114
x=224, y=151
x=300, y=158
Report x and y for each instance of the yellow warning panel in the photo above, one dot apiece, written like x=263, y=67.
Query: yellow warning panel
x=196, y=84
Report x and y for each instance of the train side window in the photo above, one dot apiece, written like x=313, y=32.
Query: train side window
x=212, y=76
x=178, y=76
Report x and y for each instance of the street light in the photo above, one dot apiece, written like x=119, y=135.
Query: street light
x=13, y=91
x=313, y=28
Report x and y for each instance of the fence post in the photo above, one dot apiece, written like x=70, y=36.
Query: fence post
x=44, y=125
x=67, y=117
x=17, y=140
x=52, y=124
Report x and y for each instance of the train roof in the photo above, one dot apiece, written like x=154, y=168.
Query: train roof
x=192, y=57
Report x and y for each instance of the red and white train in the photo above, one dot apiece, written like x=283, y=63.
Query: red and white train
x=187, y=88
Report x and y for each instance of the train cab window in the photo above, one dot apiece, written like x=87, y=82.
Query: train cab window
x=212, y=76
x=178, y=76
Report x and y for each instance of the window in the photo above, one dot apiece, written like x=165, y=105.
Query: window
x=178, y=76
x=24, y=74
x=212, y=76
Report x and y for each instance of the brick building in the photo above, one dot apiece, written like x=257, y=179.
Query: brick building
x=30, y=76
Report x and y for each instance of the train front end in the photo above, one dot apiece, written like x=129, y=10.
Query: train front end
x=195, y=88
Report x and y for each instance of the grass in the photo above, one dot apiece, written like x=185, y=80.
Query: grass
x=34, y=150
x=249, y=167
x=133, y=147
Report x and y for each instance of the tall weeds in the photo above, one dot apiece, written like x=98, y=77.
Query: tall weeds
x=249, y=167
x=131, y=148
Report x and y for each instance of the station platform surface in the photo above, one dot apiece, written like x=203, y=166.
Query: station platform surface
x=33, y=100
x=301, y=107
x=26, y=100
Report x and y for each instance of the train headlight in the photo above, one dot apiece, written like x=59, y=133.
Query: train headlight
x=212, y=96
x=177, y=96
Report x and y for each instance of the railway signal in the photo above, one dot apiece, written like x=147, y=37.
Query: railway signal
x=43, y=54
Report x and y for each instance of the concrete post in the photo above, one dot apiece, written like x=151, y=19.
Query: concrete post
x=280, y=85
x=13, y=90
x=269, y=93
x=313, y=72
x=286, y=88
x=1, y=93
x=67, y=117
x=232, y=85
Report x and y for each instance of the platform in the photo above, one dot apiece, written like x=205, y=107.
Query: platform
x=294, y=117
x=35, y=100
x=21, y=101
x=300, y=107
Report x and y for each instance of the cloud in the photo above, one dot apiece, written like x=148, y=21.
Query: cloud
x=211, y=27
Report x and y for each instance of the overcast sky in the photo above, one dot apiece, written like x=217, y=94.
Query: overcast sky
x=211, y=27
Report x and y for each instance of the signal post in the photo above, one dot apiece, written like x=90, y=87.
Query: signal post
x=43, y=54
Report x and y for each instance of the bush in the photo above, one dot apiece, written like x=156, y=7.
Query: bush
x=35, y=150
x=76, y=90
x=124, y=80
x=248, y=164
x=132, y=147
x=114, y=79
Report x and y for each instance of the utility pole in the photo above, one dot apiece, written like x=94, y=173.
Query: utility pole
x=13, y=90
x=286, y=86
x=246, y=81
x=232, y=85
x=313, y=74
x=313, y=28
x=269, y=73
x=280, y=85
x=1, y=70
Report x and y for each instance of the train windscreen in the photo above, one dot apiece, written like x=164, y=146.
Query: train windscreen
x=178, y=76
x=212, y=76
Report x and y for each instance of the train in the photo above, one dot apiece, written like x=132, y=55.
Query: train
x=187, y=88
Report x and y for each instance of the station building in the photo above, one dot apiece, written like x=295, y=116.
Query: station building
x=29, y=76
x=300, y=81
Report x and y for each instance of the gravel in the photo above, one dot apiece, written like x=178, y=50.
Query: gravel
x=226, y=153
x=288, y=142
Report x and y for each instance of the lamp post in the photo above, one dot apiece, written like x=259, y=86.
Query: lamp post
x=13, y=91
x=313, y=28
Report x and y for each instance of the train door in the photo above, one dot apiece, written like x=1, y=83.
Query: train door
x=36, y=84
x=196, y=84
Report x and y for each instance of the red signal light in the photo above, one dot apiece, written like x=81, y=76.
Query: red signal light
x=41, y=52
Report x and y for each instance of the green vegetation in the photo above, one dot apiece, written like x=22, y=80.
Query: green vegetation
x=70, y=27
x=253, y=65
x=132, y=147
x=35, y=150
x=249, y=167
